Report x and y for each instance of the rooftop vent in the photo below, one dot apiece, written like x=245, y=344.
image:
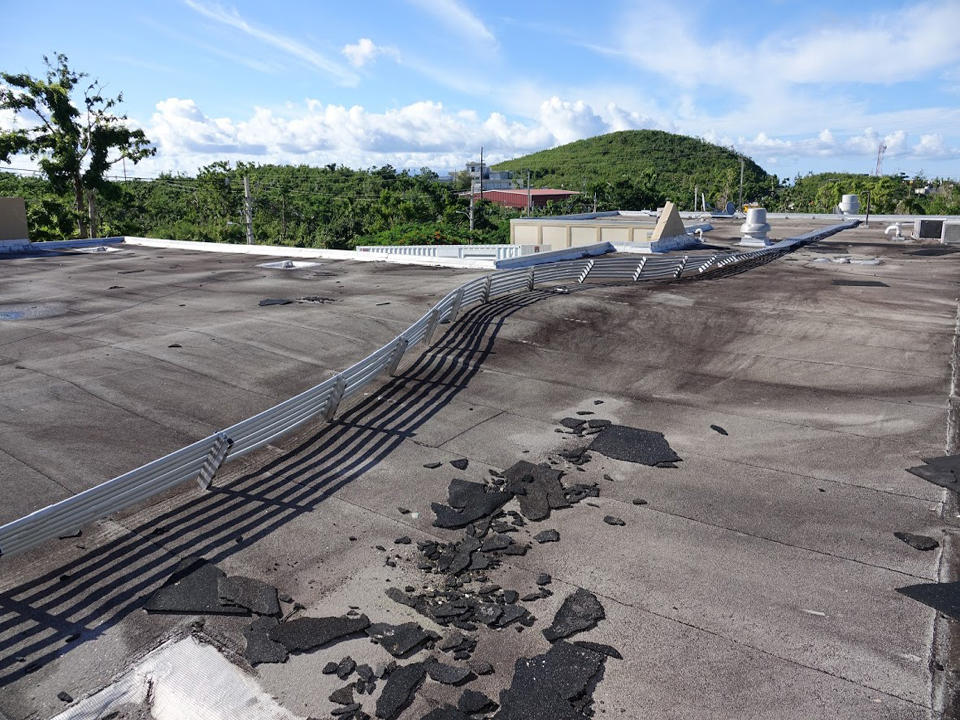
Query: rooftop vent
x=288, y=264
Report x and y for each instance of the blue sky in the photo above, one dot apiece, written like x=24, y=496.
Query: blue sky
x=800, y=87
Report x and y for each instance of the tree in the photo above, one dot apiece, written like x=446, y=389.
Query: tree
x=73, y=145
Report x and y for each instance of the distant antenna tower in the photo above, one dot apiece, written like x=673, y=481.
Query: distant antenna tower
x=880, y=151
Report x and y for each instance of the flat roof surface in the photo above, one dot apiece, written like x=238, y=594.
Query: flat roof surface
x=758, y=580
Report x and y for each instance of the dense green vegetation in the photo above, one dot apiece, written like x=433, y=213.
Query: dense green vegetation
x=304, y=206
x=888, y=194
x=639, y=169
x=338, y=207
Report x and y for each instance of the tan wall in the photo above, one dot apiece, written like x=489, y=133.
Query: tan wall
x=615, y=234
x=13, y=219
x=524, y=235
x=583, y=236
x=555, y=236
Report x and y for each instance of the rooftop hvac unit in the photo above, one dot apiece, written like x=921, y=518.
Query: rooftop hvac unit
x=927, y=229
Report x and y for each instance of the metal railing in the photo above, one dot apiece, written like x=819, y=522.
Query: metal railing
x=201, y=460
x=462, y=252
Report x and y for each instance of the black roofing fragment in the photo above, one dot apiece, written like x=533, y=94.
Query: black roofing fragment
x=448, y=674
x=432, y=465
x=717, y=428
x=275, y=301
x=573, y=423
x=613, y=520
x=537, y=488
x=460, y=463
x=307, y=633
x=400, y=640
x=456, y=557
x=260, y=648
x=473, y=702
x=552, y=686
x=343, y=696
x=470, y=501
x=598, y=423
x=639, y=501
x=192, y=588
x=942, y=597
x=580, y=611
x=253, y=594
x=64, y=696
x=346, y=667
x=399, y=689
x=445, y=712
x=545, y=536
x=497, y=542
x=646, y=447
x=345, y=710
x=919, y=542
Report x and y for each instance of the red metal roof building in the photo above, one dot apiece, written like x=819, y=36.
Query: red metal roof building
x=539, y=197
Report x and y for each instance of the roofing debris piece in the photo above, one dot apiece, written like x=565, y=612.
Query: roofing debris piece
x=473, y=702
x=469, y=501
x=342, y=696
x=919, y=542
x=399, y=689
x=260, y=648
x=580, y=611
x=306, y=633
x=718, y=429
x=537, y=488
x=255, y=595
x=630, y=444
x=448, y=674
x=400, y=640
x=275, y=301
x=552, y=686
x=193, y=588
x=546, y=536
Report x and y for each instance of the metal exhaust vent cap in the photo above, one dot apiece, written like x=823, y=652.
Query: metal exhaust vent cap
x=288, y=264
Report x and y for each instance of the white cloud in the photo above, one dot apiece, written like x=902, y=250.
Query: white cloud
x=414, y=135
x=231, y=18
x=458, y=19
x=361, y=52
x=864, y=145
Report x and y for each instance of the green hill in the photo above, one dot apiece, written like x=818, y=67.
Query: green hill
x=641, y=168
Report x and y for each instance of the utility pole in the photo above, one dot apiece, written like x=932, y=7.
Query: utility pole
x=248, y=209
x=481, y=172
x=470, y=216
x=696, y=190
x=740, y=208
x=529, y=197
